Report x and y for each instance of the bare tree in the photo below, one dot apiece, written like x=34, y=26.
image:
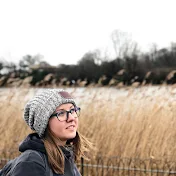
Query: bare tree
x=123, y=44
x=27, y=61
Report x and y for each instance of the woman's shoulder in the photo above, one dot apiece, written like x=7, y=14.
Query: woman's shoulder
x=30, y=163
x=32, y=155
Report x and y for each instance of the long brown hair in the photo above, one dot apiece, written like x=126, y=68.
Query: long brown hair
x=55, y=155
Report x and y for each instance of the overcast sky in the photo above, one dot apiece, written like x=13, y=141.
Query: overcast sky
x=64, y=30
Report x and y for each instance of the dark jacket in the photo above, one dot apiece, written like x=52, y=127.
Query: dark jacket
x=32, y=164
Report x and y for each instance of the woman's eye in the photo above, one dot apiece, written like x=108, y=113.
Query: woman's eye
x=62, y=113
x=72, y=111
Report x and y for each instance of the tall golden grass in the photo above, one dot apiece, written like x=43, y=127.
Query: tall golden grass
x=127, y=122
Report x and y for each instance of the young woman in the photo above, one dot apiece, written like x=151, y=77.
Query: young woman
x=56, y=143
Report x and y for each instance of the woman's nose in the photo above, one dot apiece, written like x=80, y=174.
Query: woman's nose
x=70, y=117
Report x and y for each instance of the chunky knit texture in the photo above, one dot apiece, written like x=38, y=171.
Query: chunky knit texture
x=39, y=109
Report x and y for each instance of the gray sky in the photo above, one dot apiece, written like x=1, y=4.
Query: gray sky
x=63, y=31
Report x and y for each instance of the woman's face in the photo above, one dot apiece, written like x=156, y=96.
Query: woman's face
x=64, y=130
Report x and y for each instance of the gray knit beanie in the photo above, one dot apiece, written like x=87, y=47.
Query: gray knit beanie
x=38, y=110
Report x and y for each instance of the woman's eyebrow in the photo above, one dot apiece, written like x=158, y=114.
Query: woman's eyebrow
x=60, y=109
x=71, y=106
x=64, y=109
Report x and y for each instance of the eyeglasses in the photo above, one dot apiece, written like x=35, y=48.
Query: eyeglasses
x=63, y=115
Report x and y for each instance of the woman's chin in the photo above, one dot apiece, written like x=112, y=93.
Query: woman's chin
x=71, y=136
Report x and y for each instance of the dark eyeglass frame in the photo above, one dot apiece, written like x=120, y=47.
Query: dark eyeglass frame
x=76, y=109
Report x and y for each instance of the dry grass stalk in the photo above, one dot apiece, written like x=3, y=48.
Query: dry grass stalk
x=129, y=123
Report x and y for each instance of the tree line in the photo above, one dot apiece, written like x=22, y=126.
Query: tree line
x=154, y=67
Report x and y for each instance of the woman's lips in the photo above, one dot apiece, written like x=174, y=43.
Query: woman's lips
x=71, y=127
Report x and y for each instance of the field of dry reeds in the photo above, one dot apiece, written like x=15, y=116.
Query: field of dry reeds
x=127, y=122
